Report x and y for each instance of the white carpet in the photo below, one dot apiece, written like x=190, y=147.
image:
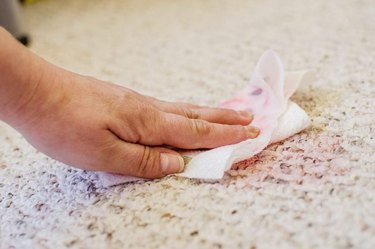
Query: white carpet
x=202, y=52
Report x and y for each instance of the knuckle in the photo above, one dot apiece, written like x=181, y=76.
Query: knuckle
x=241, y=132
x=189, y=113
x=141, y=120
x=148, y=164
x=201, y=127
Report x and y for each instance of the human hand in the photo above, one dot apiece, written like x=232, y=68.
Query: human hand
x=94, y=125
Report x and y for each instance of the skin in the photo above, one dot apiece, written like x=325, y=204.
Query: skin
x=96, y=125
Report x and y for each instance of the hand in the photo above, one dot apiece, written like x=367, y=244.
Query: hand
x=96, y=125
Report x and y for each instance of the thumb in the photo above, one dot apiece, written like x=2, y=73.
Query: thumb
x=144, y=161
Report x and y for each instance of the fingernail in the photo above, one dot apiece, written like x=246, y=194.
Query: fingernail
x=253, y=131
x=246, y=114
x=171, y=164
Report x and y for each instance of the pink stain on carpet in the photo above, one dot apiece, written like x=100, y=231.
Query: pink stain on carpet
x=301, y=160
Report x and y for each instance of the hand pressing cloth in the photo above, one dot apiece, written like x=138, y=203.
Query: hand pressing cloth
x=267, y=97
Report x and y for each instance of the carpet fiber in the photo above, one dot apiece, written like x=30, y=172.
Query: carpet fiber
x=315, y=190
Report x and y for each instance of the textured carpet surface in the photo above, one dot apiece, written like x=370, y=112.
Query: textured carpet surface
x=315, y=190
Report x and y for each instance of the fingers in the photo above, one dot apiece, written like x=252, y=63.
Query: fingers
x=214, y=115
x=148, y=125
x=143, y=161
x=188, y=133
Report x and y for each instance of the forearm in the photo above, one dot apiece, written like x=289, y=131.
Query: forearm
x=21, y=74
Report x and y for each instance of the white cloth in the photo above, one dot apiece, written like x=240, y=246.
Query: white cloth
x=267, y=97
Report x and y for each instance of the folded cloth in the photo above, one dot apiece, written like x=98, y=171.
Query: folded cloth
x=267, y=97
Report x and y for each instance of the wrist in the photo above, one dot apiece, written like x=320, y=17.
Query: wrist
x=25, y=81
x=35, y=99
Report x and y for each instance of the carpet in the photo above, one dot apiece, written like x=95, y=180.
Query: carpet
x=314, y=190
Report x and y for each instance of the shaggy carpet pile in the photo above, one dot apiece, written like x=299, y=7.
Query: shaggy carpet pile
x=314, y=190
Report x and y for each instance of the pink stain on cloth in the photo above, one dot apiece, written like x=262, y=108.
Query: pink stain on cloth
x=267, y=97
